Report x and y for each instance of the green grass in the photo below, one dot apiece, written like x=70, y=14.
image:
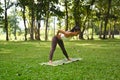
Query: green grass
x=20, y=61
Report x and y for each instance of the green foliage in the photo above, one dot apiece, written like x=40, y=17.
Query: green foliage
x=20, y=61
x=13, y=23
x=1, y=17
x=1, y=10
x=79, y=12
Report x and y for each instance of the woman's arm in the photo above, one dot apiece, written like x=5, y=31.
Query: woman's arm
x=61, y=31
x=71, y=34
x=68, y=34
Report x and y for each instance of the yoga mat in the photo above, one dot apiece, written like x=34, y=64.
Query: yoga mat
x=61, y=62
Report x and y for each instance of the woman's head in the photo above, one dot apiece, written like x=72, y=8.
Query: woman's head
x=74, y=29
x=77, y=28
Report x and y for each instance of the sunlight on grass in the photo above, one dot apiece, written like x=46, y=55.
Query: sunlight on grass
x=90, y=45
x=86, y=44
x=3, y=51
x=37, y=44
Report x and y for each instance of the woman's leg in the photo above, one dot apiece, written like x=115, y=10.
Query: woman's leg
x=53, y=47
x=61, y=44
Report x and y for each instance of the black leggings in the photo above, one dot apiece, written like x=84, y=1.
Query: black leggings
x=55, y=40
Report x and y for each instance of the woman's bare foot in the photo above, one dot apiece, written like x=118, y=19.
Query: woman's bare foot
x=50, y=62
x=69, y=59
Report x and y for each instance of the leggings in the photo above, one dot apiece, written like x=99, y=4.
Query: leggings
x=55, y=40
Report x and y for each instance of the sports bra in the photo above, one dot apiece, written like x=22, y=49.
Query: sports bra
x=64, y=38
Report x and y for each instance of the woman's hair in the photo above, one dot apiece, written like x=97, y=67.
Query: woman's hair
x=76, y=28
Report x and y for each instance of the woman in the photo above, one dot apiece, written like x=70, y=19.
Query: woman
x=58, y=39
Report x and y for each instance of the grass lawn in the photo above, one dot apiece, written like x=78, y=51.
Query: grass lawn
x=20, y=61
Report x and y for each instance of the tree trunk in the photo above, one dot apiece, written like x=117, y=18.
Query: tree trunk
x=38, y=30
x=15, y=35
x=105, y=31
x=87, y=30
x=46, y=28
x=100, y=29
x=84, y=27
x=66, y=17
x=109, y=32
x=6, y=22
x=113, y=31
x=81, y=35
x=47, y=18
x=24, y=19
x=15, y=30
x=92, y=31
x=106, y=19
x=32, y=24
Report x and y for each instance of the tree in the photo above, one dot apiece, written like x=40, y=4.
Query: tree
x=1, y=10
x=7, y=6
x=47, y=13
x=6, y=21
x=1, y=17
x=23, y=4
x=32, y=15
x=50, y=9
x=84, y=13
x=66, y=14
x=108, y=15
x=106, y=19
x=39, y=12
x=115, y=15
x=13, y=25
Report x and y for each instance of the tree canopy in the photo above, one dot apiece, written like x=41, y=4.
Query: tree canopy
x=102, y=17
